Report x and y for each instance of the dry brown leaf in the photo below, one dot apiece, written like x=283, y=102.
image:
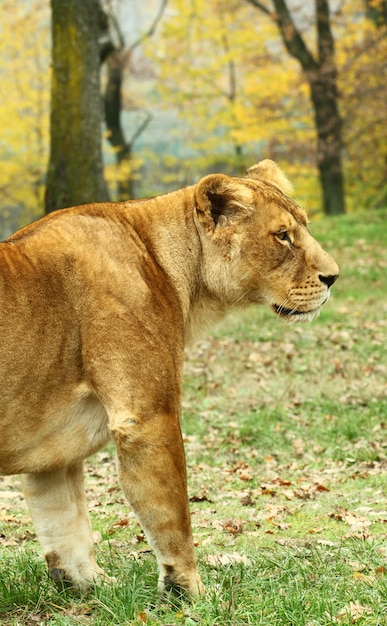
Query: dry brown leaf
x=321, y=488
x=200, y=498
x=217, y=560
x=234, y=526
x=353, y=610
x=247, y=500
x=217, y=524
x=267, y=490
x=143, y=617
x=299, y=447
x=357, y=566
x=122, y=522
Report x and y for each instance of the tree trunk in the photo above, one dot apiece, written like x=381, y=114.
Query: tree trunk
x=322, y=78
x=329, y=146
x=324, y=96
x=113, y=109
x=75, y=172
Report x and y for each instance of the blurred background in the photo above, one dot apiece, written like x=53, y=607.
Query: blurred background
x=120, y=99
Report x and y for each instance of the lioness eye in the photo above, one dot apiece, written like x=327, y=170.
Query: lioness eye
x=283, y=235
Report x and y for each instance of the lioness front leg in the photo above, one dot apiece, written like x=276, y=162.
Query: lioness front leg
x=56, y=500
x=152, y=473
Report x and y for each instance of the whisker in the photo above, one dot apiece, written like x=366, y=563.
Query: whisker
x=241, y=297
x=282, y=307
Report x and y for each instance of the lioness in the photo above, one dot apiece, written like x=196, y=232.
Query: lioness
x=96, y=305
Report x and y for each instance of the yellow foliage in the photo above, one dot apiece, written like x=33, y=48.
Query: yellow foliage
x=24, y=109
x=123, y=171
x=362, y=68
x=223, y=67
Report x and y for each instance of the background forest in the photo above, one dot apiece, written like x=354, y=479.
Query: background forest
x=203, y=86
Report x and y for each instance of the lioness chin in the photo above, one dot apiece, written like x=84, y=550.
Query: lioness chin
x=96, y=305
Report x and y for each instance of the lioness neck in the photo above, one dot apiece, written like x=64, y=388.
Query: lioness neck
x=176, y=246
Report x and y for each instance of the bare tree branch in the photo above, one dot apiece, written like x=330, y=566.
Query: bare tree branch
x=152, y=28
x=292, y=38
x=260, y=6
x=141, y=128
x=113, y=94
x=115, y=25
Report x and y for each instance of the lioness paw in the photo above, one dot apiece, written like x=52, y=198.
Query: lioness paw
x=189, y=584
x=80, y=577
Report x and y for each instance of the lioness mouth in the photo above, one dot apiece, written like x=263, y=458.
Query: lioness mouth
x=280, y=310
x=293, y=314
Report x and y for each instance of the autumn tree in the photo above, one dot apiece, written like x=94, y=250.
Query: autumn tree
x=204, y=75
x=235, y=87
x=320, y=71
x=75, y=171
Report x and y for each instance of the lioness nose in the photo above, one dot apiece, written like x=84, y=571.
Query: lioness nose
x=328, y=280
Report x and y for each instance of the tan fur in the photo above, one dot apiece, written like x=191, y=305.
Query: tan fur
x=96, y=305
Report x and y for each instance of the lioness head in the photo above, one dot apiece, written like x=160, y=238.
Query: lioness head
x=257, y=244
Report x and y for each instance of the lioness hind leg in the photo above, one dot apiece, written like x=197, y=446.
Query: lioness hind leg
x=152, y=473
x=56, y=500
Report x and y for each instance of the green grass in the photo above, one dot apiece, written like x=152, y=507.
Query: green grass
x=286, y=438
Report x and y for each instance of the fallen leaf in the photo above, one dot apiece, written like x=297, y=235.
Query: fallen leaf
x=354, y=610
x=357, y=566
x=267, y=490
x=122, y=522
x=217, y=524
x=282, y=482
x=201, y=498
x=233, y=526
x=303, y=494
x=321, y=488
x=247, y=500
x=217, y=560
x=299, y=447
x=143, y=617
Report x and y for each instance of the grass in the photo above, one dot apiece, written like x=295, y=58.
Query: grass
x=285, y=433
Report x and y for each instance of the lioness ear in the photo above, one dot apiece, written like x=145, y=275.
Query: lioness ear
x=269, y=171
x=220, y=198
